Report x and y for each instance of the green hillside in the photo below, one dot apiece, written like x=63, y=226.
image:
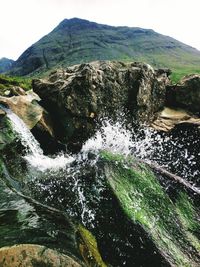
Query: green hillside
x=76, y=41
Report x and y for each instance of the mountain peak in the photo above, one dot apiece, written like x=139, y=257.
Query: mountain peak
x=76, y=22
x=77, y=40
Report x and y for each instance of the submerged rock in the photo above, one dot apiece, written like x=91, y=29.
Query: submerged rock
x=79, y=96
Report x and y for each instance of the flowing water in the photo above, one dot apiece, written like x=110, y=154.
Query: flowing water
x=65, y=182
x=34, y=154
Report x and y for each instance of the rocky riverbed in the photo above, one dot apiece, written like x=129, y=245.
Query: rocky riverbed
x=99, y=166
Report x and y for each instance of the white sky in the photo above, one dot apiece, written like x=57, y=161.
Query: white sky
x=23, y=22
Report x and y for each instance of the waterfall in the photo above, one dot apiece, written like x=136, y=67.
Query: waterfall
x=34, y=154
x=150, y=145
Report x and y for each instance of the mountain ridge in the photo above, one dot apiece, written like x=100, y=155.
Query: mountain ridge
x=76, y=41
x=5, y=64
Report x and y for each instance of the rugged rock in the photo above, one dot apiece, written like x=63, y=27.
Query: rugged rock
x=168, y=118
x=35, y=117
x=27, y=255
x=79, y=96
x=185, y=94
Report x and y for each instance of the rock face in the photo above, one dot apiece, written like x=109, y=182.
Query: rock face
x=27, y=255
x=79, y=96
x=34, y=116
x=168, y=118
x=5, y=64
x=186, y=93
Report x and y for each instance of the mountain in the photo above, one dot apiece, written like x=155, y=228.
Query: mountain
x=5, y=64
x=76, y=41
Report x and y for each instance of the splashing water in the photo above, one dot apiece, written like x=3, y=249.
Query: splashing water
x=34, y=154
x=111, y=137
x=147, y=144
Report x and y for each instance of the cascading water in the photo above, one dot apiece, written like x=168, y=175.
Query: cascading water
x=34, y=154
x=77, y=186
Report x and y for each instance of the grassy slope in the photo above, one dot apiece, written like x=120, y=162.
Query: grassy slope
x=76, y=41
x=6, y=83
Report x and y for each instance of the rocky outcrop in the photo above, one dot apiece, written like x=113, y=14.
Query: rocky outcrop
x=79, y=96
x=34, y=116
x=185, y=94
x=27, y=108
x=168, y=118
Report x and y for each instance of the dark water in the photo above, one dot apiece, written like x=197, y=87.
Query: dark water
x=79, y=190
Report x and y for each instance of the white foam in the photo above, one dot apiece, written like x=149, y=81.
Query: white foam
x=34, y=154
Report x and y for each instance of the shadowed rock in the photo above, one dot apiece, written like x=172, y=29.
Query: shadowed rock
x=79, y=96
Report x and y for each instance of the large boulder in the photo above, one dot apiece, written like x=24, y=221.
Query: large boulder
x=79, y=96
x=186, y=93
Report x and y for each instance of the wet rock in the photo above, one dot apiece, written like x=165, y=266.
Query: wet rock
x=145, y=202
x=168, y=118
x=27, y=255
x=17, y=90
x=185, y=94
x=88, y=248
x=79, y=96
x=26, y=107
x=36, y=118
x=7, y=135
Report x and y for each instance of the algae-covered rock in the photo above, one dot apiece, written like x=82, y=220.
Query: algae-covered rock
x=171, y=224
x=88, y=248
x=7, y=135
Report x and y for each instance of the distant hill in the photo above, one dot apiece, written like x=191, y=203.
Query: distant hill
x=76, y=41
x=5, y=64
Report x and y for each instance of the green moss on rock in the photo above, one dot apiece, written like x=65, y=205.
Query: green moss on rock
x=144, y=201
x=88, y=248
x=7, y=135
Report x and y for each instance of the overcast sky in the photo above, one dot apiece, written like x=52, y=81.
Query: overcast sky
x=23, y=22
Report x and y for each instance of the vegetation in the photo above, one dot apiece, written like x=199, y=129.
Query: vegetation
x=172, y=225
x=7, y=82
x=77, y=41
x=88, y=248
x=180, y=72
